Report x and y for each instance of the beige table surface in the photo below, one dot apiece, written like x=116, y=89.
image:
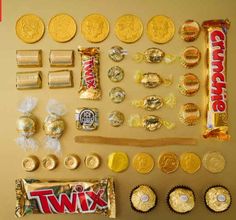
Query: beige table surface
x=178, y=10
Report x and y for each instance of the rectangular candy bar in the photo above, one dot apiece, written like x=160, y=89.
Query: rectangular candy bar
x=29, y=80
x=65, y=197
x=61, y=58
x=60, y=79
x=29, y=58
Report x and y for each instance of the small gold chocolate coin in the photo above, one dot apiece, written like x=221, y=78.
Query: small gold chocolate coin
x=189, y=114
x=128, y=28
x=62, y=27
x=50, y=162
x=95, y=28
x=30, y=163
x=143, y=163
x=190, y=162
x=29, y=28
x=118, y=161
x=168, y=162
x=160, y=29
x=71, y=161
x=189, y=31
x=189, y=84
x=92, y=161
x=214, y=162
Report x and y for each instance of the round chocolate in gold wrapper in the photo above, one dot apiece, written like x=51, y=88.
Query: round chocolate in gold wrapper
x=218, y=199
x=189, y=84
x=95, y=28
x=189, y=31
x=115, y=74
x=30, y=163
x=117, y=53
x=92, y=161
x=168, y=162
x=116, y=118
x=153, y=102
x=190, y=57
x=128, y=28
x=50, y=162
x=143, y=198
x=71, y=161
x=151, y=122
x=143, y=163
x=189, y=114
x=117, y=95
x=181, y=199
x=149, y=80
x=62, y=27
x=26, y=125
x=118, y=161
x=214, y=162
x=160, y=29
x=190, y=162
x=154, y=55
x=30, y=28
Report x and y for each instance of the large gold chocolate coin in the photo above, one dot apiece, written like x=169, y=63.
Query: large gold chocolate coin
x=95, y=28
x=214, y=162
x=160, y=29
x=128, y=28
x=168, y=162
x=190, y=162
x=29, y=28
x=62, y=28
x=143, y=163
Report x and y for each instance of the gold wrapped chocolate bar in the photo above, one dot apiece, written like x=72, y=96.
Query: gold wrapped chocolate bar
x=65, y=197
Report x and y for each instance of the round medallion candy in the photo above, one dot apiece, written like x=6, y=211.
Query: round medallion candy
x=154, y=55
x=30, y=163
x=117, y=53
x=92, y=161
x=143, y=163
x=117, y=95
x=189, y=31
x=168, y=162
x=190, y=57
x=116, y=74
x=151, y=122
x=189, y=84
x=116, y=118
x=118, y=161
x=190, y=162
x=189, y=114
x=50, y=162
x=214, y=162
x=71, y=161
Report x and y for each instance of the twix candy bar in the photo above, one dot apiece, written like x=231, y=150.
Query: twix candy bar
x=61, y=197
x=217, y=115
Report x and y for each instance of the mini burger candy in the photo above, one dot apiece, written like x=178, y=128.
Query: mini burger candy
x=217, y=108
x=189, y=114
x=65, y=197
x=154, y=102
x=190, y=57
x=27, y=124
x=54, y=125
x=90, y=79
x=190, y=30
x=117, y=53
x=189, y=84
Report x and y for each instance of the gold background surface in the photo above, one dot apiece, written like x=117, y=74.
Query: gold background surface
x=178, y=10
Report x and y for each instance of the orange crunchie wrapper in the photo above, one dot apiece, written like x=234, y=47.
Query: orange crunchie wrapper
x=217, y=115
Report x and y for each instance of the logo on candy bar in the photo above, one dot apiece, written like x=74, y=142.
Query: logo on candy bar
x=217, y=71
x=79, y=201
x=89, y=76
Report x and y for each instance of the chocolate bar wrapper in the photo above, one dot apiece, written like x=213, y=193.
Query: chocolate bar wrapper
x=62, y=197
x=217, y=110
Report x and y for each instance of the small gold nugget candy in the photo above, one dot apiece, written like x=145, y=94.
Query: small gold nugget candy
x=190, y=162
x=189, y=31
x=92, y=161
x=115, y=74
x=151, y=55
x=214, y=162
x=160, y=29
x=86, y=119
x=29, y=80
x=61, y=58
x=189, y=84
x=143, y=199
x=30, y=163
x=190, y=57
x=71, y=161
x=168, y=162
x=181, y=199
x=29, y=58
x=128, y=28
x=218, y=199
x=117, y=95
x=116, y=118
x=50, y=162
x=62, y=27
x=189, y=114
x=143, y=163
x=95, y=28
x=60, y=79
x=117, y=53
x=29, y=28
x=118, y=162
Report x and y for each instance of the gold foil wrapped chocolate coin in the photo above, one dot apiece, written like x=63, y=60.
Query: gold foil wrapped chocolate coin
x=143, y=198
x=116, y=118
x=71, y=161
x=29, y=80
x=189, y=114
x=190, y=162
x=117, y=95
x=218, y=199
x=30, y=163
x=29, y=58
x=189, y=84
x=50, y=162
x=115, y=74
x=92, y=161
x=190, y=57
x=189, y=30
x=214, y=162
x=181, y=199
x=117, y=53
x=118, y=162
x=143, y=163
x=168, y=162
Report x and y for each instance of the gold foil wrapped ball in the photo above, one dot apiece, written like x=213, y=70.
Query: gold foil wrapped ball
x=26, y=125
x=151, y=122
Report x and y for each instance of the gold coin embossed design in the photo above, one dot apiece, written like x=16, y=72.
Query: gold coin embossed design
x=160, y=29
x=190, y=162
x=30, y=28
x=168, y=162
x=214, y=162
x=128, y=28
x=95, y=28
x=62, y=27
x=143, y=163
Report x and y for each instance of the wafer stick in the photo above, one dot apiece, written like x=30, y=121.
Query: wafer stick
x=135, y=142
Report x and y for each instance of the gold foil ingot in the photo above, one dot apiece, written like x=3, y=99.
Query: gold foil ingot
x=29, y=58
x=189, y=114
x=116, y=118
x=190, y=162
x=71, y=161
x=118, y=161
x=189, y=31
x=61, y=58
x=190, y=57
x=143, y=163
x=30, y=163
x=214, y=162
x=92, y=161
x=26, y=125
x=189, y=84
x=60, y=79
x=50, y=162
x=29, y=80
x=168, y=162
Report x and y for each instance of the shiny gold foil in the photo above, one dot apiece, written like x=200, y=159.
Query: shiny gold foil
x=29, y=58
x=168, y=162
x=117, y=53
x=30, y=163
x=26, y=125
x=152, y=122
x=189, y=84
x=190, y=162
x=115, y=74
x=214, y=162
x=61, y=58
x=60, y=79
x=190, y=57
x=118, y=162
x=117, y=95
x=189, y=114
x=116, y=118
x=143, y=163
x=50, y=162
x=92, y=161
x=29, y=80
x=71, y=161
x=190, y=30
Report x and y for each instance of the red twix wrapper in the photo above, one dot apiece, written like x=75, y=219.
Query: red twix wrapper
x=217, y=108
